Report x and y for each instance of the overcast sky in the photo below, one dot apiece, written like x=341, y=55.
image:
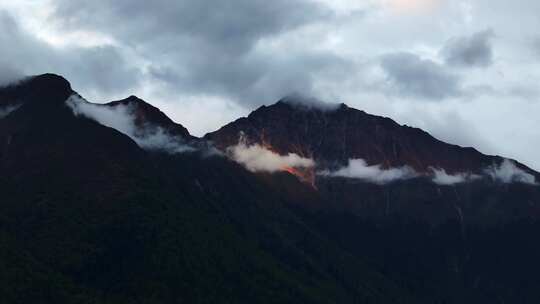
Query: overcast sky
x=468, y=71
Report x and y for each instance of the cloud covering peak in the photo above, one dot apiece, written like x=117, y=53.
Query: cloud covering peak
x=122, y=118
x=410, y=75
x=303, y=101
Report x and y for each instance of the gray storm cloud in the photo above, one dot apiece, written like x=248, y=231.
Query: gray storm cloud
x=101, y=68
x=121, y=118
x=410, y=75
x=257, y=158
x=359, y=169
x=470, y=51
x=217, y=51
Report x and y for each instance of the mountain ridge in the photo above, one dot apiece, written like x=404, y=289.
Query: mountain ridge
x=381, y=152
x=372, y=139
x=146, y=113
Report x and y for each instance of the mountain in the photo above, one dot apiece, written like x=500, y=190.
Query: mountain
x=334, y=135
x=377, y=154
x=434, y=227
x=86, y=215
x=146, y=114
x=91, y=212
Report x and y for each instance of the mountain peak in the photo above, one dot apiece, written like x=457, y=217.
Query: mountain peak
x=50, y=85
x=335, y=137
x=43, y=90
x=146, y=113
x=42, y=93
x=52, y=79
x=131, y=100
x=302, y=102
x=134, y=98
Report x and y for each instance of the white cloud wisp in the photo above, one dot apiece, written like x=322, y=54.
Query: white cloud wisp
x=359, y=169
x=507, y=172
x=5, y=111
x=442, y=178
x=121, y=118
x=257, y=158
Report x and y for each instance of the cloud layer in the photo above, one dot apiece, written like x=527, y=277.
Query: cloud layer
x=213, y=48
x=410, y=75
x=6, y=110
x=507, y=172
x=100, y=68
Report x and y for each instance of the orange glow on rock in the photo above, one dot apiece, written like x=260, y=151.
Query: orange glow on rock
x=306, y=175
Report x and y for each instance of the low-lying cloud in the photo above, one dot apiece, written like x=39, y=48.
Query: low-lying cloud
x=410, y=75
x=121, y=118
x=442, y=178
x=507, y=172
x=257, y=158
x=5, y=111
x=359, y=169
